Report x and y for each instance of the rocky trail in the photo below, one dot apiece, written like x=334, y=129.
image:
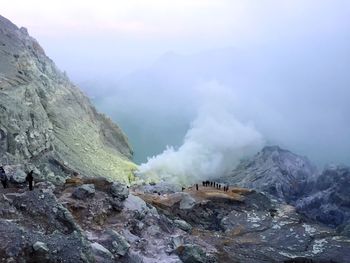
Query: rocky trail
x=247, y=226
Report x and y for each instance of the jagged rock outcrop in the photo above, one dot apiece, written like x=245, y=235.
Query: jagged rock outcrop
x=49, y=225
x=278, y=172
x=47, y=122
x=134, y=233
x=328, y=198
x=35, y=227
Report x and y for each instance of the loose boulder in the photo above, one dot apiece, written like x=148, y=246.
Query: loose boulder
x=40, y=247
x=192, y=254
x=120, y=245
x=187, y=202
x=101, y=252
x=183, y=225
x=119, y=190
x=84, y=191
x=19, y=177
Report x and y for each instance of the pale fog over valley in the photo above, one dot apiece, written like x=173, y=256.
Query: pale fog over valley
x=175, y=131
x=159, y=67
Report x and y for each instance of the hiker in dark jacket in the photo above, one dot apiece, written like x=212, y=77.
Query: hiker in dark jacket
x=30, y=179
x=3, y=177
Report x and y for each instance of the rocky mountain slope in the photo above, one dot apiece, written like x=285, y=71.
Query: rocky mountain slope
x=48, y=125
x=97, y=220
x=328, y=198
x=246, y=226
x=276, y=171
x=322, y=196
x=90, y=220
x=46, y=122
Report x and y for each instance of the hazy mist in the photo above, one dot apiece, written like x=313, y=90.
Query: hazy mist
x=214, y=144
x=273, y=72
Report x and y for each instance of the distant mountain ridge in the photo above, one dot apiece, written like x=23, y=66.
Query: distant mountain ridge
x=46, y=123
x=322, y=196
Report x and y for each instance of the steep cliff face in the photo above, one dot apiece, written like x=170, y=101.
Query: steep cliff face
x=48, y=123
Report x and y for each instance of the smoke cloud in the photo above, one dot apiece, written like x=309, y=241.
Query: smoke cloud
x=214, y=144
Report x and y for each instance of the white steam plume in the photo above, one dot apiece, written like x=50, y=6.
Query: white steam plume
x=213, y=145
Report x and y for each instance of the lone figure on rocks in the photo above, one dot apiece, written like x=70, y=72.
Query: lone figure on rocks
x=30, y=179
x=197, y=187
x=3, y=177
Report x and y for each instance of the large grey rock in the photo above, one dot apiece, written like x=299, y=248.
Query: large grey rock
x=119, y=191
x=19, y=177
x=136, y=204
x=100, y=251
x=183, y=225
x=114, y=242
x=119, y=243
x=84, y=191
x=192, y=254
x=177, y=241
x=40, y=247
x=187, y=202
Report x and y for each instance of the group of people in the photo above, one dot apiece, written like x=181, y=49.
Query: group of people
x=215, y=185
x=4, y=179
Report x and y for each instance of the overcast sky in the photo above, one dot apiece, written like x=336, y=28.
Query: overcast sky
x=85, y=35
x=286, y=61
